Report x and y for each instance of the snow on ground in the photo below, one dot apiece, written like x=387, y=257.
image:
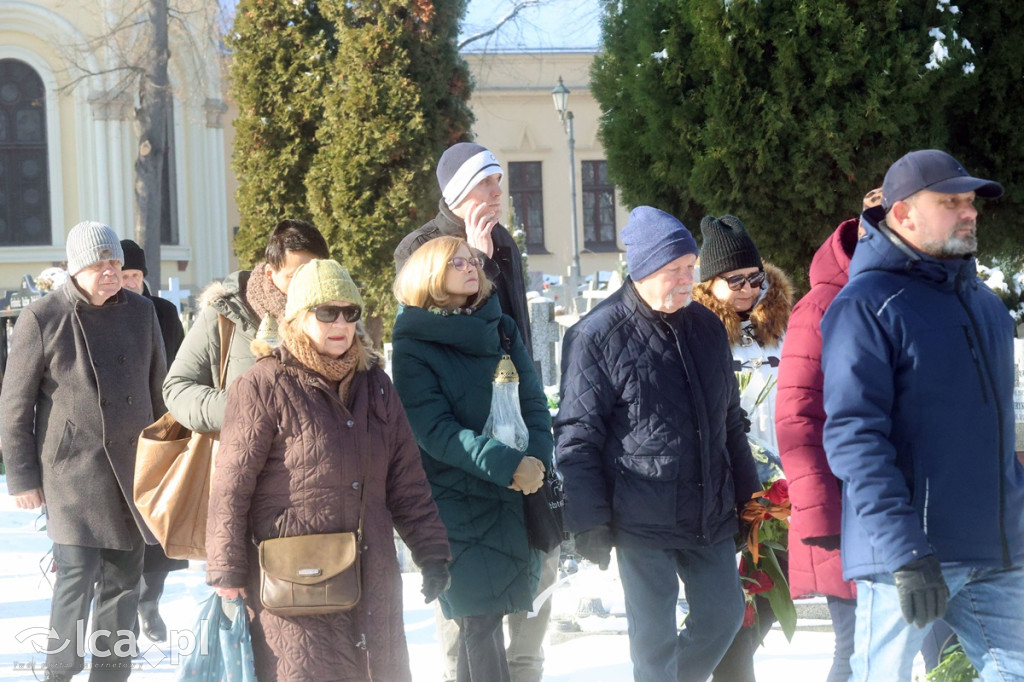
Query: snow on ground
x=598, y=652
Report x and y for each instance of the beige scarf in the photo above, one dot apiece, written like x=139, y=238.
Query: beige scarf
x=341, y=369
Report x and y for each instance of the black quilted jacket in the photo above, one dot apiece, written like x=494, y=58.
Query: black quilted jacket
x=649, y=435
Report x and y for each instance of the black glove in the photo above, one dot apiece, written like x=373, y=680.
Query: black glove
x=828, y=542
x=746, y=420
x=595, y=545
x=436, y=579
x=923, y=592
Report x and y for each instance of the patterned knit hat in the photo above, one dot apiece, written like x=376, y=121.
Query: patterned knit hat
x=461, y=168
x=726, y=246
x=654, y=239
x=318, y=282
x=91, y=242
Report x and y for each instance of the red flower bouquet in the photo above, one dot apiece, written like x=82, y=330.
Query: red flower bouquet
x=767, y=514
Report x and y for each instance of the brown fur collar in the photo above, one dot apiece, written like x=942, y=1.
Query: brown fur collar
x=770, y=315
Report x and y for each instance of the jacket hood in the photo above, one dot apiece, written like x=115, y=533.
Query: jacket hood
x=831, y=262
x=770, y=313
x=475, y=334
x=228, y=298
x=882, y=249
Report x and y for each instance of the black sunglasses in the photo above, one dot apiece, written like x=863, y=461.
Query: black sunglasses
x=330, y=313
x=460, y=263
x=755, y=280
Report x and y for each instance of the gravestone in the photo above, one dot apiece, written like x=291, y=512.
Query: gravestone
x=546, y=335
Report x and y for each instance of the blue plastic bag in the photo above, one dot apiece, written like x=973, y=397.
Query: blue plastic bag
x=223, y=647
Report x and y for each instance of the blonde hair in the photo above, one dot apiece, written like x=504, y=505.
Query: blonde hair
x=420, y=282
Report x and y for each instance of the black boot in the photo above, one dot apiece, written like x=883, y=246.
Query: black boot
x=152, y=625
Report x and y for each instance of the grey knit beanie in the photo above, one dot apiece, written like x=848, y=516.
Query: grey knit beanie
x=90, y=242
x=726, y=246
x=461, y=168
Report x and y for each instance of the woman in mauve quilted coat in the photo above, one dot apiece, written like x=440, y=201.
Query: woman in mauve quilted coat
x=308, y=429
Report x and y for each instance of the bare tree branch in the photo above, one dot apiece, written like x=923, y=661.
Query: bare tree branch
x=516, y=9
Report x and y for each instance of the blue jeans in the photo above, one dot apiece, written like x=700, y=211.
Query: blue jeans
x=986, y=610
x=650, y=582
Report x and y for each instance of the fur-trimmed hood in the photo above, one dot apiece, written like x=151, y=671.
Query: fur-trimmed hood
x=769, y=316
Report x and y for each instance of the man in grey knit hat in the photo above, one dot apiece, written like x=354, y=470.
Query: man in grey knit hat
x=84, y=377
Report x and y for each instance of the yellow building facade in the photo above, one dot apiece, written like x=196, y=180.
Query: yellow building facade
x=67, y=145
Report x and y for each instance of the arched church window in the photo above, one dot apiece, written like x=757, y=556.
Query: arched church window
x=24, y=178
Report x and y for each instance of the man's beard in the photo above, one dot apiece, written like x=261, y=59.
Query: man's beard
x=955, y=246
x=670, y=299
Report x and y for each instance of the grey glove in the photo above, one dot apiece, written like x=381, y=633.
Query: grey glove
x=922, y=590
x=595, y=545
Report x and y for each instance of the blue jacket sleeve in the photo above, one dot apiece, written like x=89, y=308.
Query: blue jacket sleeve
x=859, y=359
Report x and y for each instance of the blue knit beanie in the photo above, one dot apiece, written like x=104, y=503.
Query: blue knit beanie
x=654, y=239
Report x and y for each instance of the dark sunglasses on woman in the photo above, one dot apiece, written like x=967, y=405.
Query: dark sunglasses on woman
x=755, y=280
x=460, y=263
x=330, y=313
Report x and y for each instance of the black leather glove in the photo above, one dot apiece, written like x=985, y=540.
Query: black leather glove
x=436, y=579
x=746, y=420
x=595, y=545
x=922, y=589
x=829, y=542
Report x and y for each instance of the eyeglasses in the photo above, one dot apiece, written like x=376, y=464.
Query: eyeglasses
x=460, y=263
x=330, y=313
x=736, y=282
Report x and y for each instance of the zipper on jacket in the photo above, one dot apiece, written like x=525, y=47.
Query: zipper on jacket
x=983, y=370
x=977, y=362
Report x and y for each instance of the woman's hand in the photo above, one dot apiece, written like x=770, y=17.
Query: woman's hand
x=230, y=593
x=529, y=476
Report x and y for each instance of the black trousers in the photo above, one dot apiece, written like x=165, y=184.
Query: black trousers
x=108, y=581
x=482, y=650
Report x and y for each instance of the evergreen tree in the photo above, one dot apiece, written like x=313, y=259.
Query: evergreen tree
x=397, y=99
x=281, y=52
x=782, y=112
x=986, y=118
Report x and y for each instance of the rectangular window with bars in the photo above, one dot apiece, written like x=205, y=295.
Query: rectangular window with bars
x=598, y=207
x=526, y=190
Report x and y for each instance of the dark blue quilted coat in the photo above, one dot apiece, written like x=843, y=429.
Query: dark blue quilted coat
x=918, y=361
x=649, y=435
x=443, y=368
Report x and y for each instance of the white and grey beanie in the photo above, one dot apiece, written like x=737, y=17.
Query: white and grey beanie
x=90, y=242
x=461, y=168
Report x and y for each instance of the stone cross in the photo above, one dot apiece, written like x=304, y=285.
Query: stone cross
x=174, y=293
x=546, y=335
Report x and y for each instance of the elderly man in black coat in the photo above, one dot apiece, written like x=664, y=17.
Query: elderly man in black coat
x=83, y=379
x=156, y=564
x=651, y=441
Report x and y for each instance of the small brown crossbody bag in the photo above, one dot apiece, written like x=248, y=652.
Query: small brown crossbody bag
x=307, y=575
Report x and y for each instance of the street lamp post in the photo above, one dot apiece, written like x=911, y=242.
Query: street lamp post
x=560, y=95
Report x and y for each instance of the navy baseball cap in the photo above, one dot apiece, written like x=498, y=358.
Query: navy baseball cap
x=933, y=170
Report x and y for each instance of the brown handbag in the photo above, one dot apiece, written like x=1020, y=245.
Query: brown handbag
x=173, y=469
x=307, y=575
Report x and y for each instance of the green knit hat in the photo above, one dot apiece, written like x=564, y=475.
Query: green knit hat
x=318, y=282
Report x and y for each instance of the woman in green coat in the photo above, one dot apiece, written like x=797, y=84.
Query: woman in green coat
x=448, y=339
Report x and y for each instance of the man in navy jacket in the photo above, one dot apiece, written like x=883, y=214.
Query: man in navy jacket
x=918, y=363
x=650, y=440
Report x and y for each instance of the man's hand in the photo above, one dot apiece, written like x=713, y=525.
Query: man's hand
x=922, y=590
x=436, y=580
x=595, y=545
x=529, y=475
x=32, y=499
x=480, y=220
